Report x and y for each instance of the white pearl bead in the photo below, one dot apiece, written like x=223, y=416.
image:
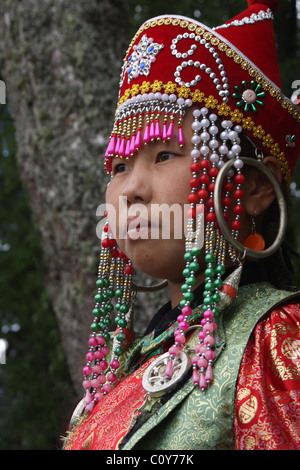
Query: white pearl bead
x=238, y=164
x=195, y=153
x=204, y=150
x=196, y=113
x=214, y=158
x=232, y=135
x=225, y=124
x=196, y=126
x=213, y=130
x=205, y=136
x=180, y=101
x=223, y=149
x=236, y=148
x=204, y=122
x=195, y=139
x=214, y=144
x=224, y=135
x=238, y=129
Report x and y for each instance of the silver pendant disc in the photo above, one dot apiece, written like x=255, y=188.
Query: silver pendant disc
x=156, y=383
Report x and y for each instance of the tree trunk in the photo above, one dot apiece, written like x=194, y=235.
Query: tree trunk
x=60, y=61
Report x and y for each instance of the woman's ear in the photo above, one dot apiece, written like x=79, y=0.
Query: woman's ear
x=259, y=190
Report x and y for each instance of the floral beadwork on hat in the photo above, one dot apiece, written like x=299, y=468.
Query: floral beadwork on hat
x=249, y=96
x=140, y=61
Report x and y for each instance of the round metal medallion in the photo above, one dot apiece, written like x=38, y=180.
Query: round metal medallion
x=156, y=383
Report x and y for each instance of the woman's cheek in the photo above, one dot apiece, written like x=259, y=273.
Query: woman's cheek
x=112, y=208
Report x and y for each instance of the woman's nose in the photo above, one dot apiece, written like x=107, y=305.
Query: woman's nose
x=137, y=187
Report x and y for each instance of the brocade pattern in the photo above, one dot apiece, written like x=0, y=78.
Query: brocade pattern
x=223, y=416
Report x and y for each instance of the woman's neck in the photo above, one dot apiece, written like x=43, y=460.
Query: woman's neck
x=176, y=292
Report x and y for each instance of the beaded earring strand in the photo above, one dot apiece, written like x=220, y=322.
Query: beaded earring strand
x=114, y=280
x=116, y=270
x=193, y=248
x=215, y=245
x=204, y=354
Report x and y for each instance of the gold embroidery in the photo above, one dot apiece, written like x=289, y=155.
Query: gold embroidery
x=242, y=393
x=291, y=350
x=289, y=369
x=249, y=443
x=88, y=443
x=248, y=410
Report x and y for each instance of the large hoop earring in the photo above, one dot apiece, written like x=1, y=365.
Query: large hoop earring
x=159, y=286
x=281, y=204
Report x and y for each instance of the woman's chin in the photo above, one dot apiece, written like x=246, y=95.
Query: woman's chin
x=152, y=257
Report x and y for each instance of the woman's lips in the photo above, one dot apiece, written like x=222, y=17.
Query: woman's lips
x=141, y=229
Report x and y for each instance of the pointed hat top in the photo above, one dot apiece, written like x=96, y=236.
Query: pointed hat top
x=252, y=32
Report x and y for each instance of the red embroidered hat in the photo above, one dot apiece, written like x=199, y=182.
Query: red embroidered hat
x=175, y=62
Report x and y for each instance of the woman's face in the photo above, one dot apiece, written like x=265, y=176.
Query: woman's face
x=157, y=175
x=147, y=203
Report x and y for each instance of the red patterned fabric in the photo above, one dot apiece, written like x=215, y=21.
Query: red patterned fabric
x=267, y=415
x=108, y=423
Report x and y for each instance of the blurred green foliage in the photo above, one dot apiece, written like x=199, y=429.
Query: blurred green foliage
x=34, y=382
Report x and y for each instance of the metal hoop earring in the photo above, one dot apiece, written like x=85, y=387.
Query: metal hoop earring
x=281, y=204
x=159, y=286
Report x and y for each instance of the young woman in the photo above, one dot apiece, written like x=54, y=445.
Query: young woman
x=202, y=150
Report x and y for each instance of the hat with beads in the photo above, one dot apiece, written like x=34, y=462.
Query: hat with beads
x=173, y=62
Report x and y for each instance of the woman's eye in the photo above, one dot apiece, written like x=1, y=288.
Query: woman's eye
x=119, y=168
x=164, y=156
